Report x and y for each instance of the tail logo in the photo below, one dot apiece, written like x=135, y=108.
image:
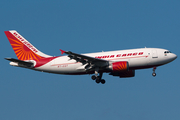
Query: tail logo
x=23, y=49
x=25, y=42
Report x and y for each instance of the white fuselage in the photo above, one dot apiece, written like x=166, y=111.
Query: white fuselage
x=121, y=63
x=137, y=59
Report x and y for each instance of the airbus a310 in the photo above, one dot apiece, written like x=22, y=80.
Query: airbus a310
x=121, y=63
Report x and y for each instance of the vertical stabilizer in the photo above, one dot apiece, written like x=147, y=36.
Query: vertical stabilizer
x=23, y=49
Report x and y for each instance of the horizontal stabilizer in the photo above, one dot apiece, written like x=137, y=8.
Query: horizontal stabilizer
x=20, y=62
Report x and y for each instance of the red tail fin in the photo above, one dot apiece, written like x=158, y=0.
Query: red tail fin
x=22, y=48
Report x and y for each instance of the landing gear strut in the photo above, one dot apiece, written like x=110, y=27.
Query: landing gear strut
x=98, y=78
x=154, y=74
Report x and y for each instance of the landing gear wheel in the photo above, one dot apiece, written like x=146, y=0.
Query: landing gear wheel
x=93, y=77
x=103, y=81
x=98, y=78
x=153, y=74
x=98, y=81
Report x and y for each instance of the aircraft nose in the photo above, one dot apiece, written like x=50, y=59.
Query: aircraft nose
x=174, y=56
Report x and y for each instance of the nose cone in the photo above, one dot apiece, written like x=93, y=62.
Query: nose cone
x=173, y=56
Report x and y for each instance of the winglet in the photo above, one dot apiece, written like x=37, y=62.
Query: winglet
x=62, y=51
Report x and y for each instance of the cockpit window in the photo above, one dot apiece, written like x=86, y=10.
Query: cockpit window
x=167, y=51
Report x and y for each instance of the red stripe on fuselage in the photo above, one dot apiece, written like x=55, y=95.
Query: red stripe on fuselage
x=44, y=61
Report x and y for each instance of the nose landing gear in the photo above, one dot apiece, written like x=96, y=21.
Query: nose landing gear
x=154, y=74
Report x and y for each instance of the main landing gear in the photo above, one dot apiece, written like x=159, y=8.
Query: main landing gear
x=97, y=78
x=154, y=74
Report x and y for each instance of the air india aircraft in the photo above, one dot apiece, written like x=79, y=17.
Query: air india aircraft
x=121, y=63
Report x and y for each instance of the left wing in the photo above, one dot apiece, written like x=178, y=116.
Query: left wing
x=90, y=61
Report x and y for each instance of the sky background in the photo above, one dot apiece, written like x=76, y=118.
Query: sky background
x=83, y=27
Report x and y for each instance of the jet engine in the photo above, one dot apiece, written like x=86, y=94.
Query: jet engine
x=119, y=66
x=123, y=74
x=121, y=69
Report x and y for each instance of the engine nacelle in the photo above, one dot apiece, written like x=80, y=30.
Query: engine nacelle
x=119, y=66
x=124, y=74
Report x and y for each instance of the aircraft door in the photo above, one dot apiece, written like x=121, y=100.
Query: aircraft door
x=154, y=54
x=152, y=57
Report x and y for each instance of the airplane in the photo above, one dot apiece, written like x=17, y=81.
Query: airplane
x=120, y=63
